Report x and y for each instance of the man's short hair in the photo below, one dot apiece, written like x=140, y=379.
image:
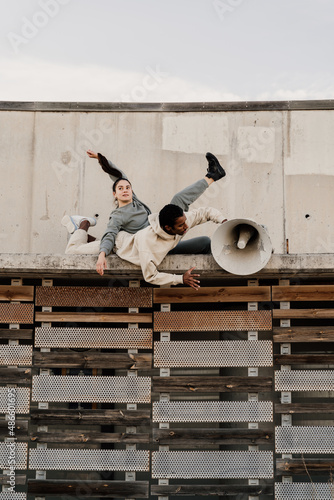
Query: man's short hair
x=168, y=215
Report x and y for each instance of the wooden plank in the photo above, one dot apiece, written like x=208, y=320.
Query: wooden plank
x=197, y=438
x=89, y=317
x=21, y=427
x=194, y=384
x=303, y=293
x=20, y=293
x=14, y=375
x=91, y=417
x=212, y=294
x=89, y=489
x=303, y=313
x=304, y=408
x=89, y=359
x=88, y=437
x=303, y=334
x=16, y=333
x=19, y=479
x=290, y=466
x=210, y=490
x=303, y=359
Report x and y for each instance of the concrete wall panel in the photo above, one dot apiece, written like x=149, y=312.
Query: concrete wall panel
x=279, y=169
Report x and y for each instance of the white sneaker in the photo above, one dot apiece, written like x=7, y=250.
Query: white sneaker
x=72, y=222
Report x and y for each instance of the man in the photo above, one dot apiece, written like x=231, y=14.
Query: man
x=148, y=247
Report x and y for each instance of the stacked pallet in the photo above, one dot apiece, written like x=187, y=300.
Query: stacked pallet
x=305, y=380
x=211, y=411
x=81, y=332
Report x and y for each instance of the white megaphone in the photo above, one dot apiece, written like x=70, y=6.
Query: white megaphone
x=241, y=246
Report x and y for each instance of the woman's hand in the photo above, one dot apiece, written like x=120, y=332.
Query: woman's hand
x=101, y=263
x=91, y=154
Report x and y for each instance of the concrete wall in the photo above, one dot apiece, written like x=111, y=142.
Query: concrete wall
x=280, y=169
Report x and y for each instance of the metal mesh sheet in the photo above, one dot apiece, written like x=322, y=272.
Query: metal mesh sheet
x=304, y=491
x=213, y=411
x=304, y=380
x=213, y=353
x=15, y=355
x=106, y=338
x=186, y=321
x=15, y=400
x=13, y=455
x=304, y=439
x=8, y=495
x=16, y=313
x=91, y=389
x=212, y=464
x=74, y=459
x=83, y=296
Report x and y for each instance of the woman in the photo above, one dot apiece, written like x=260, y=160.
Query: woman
x=131, y=215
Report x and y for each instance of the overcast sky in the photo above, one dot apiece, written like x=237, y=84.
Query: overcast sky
x=166, y=50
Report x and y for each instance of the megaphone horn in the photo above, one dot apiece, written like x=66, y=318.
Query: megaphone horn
x=241, y=246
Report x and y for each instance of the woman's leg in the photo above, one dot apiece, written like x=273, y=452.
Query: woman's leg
x=78, y=244
x=190, y=194
x=199, y=245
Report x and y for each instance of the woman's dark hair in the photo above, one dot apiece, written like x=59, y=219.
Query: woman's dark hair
x=168, y=215
x=117, y=181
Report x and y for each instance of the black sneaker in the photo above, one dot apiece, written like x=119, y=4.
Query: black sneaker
x=215, y=170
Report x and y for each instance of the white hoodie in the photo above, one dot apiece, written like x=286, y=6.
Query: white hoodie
x=148, y=247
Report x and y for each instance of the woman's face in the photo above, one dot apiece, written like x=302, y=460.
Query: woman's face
x=123, y=192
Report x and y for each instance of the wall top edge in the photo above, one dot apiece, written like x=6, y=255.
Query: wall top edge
x=287, y=265
x=168, y=106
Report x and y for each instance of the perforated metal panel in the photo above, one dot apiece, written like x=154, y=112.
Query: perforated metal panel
x=212, y=464
x=15, y=355
x=304, y=491
x=12, y=496
x=16, y=313
x=304, y=439
x=213, y=411
x=13, y=451
x=73, y=459
x=107, y=338
x=84, y=296
x=304, y=380
x=213, y=353
x=187, y=321
x=91, y=389
x=17, y=400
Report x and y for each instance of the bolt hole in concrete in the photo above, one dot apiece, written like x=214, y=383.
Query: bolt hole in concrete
x=307, y=216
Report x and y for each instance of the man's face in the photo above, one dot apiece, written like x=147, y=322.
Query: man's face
x=180, y=227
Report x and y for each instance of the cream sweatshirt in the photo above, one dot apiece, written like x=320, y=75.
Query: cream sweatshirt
x=148, y=247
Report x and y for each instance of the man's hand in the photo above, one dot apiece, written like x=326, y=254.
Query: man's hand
x=101, y=263
x=189, y=279
x=91, y=154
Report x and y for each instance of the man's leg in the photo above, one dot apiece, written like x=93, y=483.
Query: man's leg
x=199, y=245
x=190, y=194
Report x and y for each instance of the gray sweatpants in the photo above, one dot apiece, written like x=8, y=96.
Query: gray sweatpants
x=201, y=244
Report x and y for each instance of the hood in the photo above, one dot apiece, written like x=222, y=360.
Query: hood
x=154, y=223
